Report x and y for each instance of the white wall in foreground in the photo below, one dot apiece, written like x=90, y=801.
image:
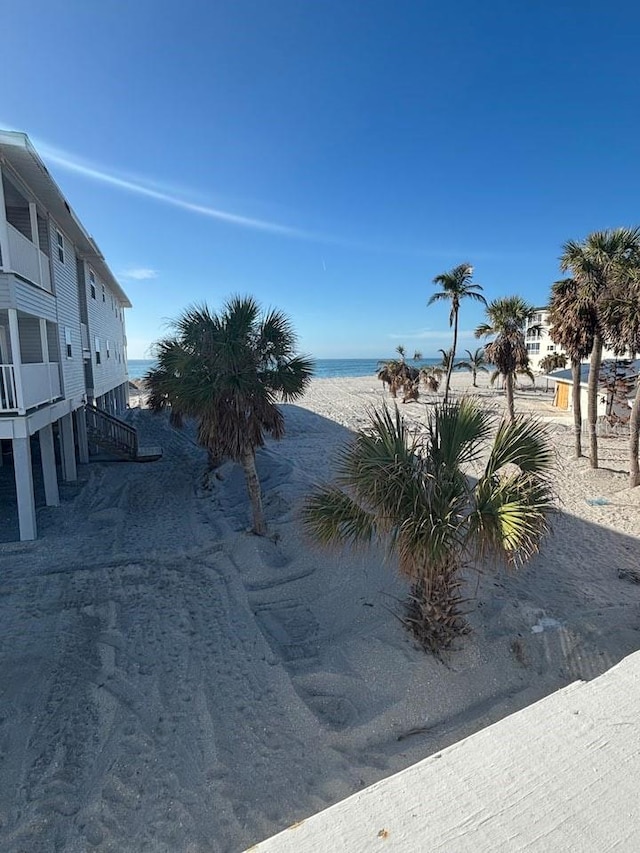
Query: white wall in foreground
x=560, y=775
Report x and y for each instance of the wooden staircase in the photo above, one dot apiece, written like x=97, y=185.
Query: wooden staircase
x=117, y=437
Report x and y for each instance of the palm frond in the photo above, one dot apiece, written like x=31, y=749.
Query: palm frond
x=455, y=430
x=524, y=442
x=382, y=466
x=438, y=297
x=510, y=517
x=483, y=330
x=471, y=294
x=333, y=518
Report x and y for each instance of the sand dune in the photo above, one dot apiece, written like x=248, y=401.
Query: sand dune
x=172, y=683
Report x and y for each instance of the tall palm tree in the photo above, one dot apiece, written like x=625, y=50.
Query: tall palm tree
x=621, y=318
x=507, y=318
x=410, y=491
x=573, y=323
x=596, y=263
x=475, y=363
x=228, y=370
x=456, y=286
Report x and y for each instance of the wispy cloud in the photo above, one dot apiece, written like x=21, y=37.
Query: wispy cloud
x=141, y=187
x=165, y=193
x=139, y=273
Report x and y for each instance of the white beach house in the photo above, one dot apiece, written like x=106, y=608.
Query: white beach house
x=62, y=328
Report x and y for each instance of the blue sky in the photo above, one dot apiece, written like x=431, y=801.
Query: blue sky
x=330, y=157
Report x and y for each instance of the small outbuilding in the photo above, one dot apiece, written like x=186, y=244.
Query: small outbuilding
x=616, y=388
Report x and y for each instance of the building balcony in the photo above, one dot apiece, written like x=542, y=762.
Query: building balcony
x=26, y=260
x=28, y=386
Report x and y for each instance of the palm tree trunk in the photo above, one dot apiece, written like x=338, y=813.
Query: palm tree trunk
x=634, y=436
x=255, y=494
x=576, y=394
x=592, y=404
x=453, y=355
x=434, y=613
x=508, y=384
x=475, y=376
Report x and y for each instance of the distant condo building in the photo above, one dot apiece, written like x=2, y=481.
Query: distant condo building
x=538, y=339
x=539, y=343
x=62, y=329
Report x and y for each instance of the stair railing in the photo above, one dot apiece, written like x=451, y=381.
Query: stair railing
x=111, y=429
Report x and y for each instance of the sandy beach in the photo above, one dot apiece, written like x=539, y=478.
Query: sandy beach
x=172, y=683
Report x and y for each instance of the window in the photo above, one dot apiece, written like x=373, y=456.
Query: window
x=108, y=349
x=92, y=283
x=104, y=295
x=97, y=345
x=68, y=342
x=533, y=348
x=551, y=348
x=60, y=242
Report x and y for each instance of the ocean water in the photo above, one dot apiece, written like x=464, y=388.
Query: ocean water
x=324, y=367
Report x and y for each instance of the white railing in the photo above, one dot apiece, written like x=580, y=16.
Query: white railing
x=8, y=393
x=27, y=260
x=40, y=384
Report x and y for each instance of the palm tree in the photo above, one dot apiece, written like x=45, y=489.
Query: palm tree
x=553, y=361
x=387, y=374
x=410, y=491
x=506, y=319
x=474, y=363
x=399, y=375
x=572, y=325
x=227, y=370
x=431, y=376
x=446, y=360
x=596, y=263
x=456, y=286
x=621, y=318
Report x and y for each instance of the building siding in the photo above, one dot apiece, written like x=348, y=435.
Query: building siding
x=5, y=291
x=52, y=340
x=30, y=342
x=33, y=300
x=106, y=323
x=68, y=314
x=7, y=355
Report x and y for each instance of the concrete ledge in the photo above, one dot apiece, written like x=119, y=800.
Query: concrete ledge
x=560, y=775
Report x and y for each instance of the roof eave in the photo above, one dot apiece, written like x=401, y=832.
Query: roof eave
x=51, y=196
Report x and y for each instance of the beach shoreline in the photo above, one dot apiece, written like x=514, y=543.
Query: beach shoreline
x=171, y=682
